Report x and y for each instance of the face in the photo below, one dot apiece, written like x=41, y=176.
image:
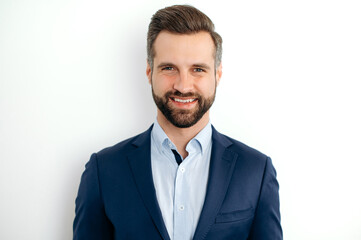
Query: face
x=184, y=78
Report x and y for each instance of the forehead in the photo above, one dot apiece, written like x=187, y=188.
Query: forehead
x=184, y=48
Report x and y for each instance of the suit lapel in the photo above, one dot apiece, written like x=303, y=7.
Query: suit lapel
x=140, y=164
x=220, y=172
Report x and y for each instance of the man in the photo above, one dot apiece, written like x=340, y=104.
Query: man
x=180, y=179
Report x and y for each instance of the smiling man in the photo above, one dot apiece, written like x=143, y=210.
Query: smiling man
x=181, y=179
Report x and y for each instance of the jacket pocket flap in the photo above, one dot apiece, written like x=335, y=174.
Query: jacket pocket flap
x=235, y=216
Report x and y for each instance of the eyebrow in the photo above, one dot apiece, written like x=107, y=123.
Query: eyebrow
x=196, y=65
x=200, y=65
x=165, y=64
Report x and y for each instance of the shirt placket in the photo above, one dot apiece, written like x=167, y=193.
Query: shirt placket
x=180, y=206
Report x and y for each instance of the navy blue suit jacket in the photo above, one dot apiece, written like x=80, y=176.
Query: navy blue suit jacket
x=117, y=199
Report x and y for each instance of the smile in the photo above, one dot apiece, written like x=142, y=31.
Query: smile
x=184, y=100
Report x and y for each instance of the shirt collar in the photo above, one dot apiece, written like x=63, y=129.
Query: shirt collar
x=202, y=139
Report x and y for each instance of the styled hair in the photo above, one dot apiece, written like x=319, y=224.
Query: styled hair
x=182, y=19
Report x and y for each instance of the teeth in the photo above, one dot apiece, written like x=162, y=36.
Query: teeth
x=184, y=101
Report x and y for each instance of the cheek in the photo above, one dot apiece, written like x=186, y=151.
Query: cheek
x=161, y=84
x=206, y=88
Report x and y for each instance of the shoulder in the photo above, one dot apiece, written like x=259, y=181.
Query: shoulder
x=243, y=149
x=235, y=145
x=246, y=155
x=125, y=147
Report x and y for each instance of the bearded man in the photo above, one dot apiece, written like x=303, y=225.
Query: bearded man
x=181, y=179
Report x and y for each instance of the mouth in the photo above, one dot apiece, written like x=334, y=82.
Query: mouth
x=183, y=102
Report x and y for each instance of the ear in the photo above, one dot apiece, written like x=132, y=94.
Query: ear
x=148, y=71
x=218, y=73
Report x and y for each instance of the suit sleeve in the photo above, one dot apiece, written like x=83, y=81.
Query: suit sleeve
x=267, y=221
x=91, y=222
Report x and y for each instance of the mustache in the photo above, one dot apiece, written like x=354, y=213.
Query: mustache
x=179, y=94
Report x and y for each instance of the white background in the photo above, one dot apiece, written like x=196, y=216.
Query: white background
x=72, y=81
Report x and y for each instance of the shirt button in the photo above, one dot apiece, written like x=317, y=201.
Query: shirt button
x=181, y=207
x=182, y=170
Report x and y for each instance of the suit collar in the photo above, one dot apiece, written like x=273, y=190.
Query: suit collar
x=143, y=138
x=220, y=173
x=220, y=138
x=140, y=164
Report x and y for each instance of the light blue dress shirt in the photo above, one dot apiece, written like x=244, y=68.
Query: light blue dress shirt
x=180, y=190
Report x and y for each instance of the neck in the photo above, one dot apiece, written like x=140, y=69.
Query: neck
x=181, y=136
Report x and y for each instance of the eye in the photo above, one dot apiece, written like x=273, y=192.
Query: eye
x=198, y=70
x=168, y=68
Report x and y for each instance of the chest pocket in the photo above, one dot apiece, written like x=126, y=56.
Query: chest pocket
x=235, y=216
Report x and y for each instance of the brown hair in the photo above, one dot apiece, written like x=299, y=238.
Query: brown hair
x=183, y=19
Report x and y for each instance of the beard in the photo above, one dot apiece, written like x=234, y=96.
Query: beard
x=183, y=118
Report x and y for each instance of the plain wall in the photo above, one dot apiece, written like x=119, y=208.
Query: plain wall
x=72, y=81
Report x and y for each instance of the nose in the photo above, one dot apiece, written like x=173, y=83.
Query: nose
x=184, y=82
